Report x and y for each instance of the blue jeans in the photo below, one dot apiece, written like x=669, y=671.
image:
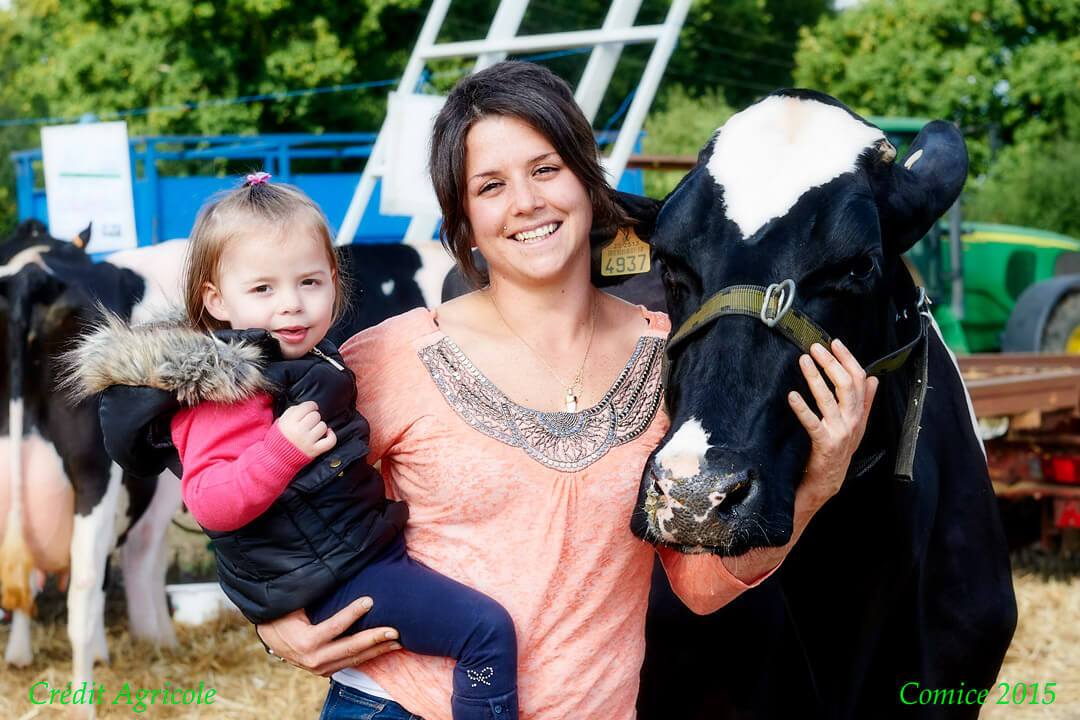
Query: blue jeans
x=346, y=703
x=435, y=615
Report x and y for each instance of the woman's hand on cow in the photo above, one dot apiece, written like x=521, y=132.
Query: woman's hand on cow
x=318, y=649
x=836, y=434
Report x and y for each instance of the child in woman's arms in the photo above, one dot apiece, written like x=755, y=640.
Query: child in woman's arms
x=261, y=411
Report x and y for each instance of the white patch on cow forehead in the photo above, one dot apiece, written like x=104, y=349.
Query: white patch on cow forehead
x=684, y=453
x=767, y=156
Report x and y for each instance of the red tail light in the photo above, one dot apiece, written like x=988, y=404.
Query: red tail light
x=1062, y=469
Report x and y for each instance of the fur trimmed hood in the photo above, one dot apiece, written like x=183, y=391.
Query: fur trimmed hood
x=168, y=354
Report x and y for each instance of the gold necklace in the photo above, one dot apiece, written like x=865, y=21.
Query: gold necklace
x=574, y=388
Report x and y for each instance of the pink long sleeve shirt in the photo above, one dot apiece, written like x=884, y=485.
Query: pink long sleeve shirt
x=531, y=509
x=236, y=461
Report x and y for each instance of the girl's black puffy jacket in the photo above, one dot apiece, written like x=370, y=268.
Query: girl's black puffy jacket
x=332, y=519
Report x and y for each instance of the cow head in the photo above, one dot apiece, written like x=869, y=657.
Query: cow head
x=795, y=187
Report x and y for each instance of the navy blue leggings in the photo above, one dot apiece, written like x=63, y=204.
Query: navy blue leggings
x=435, y=615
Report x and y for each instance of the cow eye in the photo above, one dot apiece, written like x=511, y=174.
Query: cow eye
x=862, y=268
x=672, y=285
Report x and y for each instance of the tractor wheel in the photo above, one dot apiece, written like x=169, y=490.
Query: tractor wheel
x=1046, y=318
x=1062, y=331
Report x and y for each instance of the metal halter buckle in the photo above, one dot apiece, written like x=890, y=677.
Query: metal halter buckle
x=785, y=292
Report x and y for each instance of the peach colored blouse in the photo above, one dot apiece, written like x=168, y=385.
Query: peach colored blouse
x=532, y=509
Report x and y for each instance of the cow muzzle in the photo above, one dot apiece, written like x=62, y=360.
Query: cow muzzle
x=716, y=509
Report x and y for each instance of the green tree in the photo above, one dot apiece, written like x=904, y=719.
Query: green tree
x=70, y=58
x=682, y=127
x=742, y=48
x=1007, y=72
x=11, y=138
x=1033, y=185
x=101, y=56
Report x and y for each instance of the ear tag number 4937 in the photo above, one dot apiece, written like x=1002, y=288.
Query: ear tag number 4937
x=627, y=254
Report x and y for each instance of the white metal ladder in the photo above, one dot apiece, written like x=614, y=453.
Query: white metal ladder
x=502, y=38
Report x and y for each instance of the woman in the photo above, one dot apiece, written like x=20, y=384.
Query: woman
x=491, y=417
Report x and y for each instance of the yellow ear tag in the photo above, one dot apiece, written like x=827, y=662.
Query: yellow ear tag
x=627, y=254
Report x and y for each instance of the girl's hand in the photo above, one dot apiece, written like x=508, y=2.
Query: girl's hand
x=837, y=433
x=304, y=427
x=314, y=648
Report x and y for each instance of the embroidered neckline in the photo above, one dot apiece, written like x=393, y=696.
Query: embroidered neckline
x=560, y=440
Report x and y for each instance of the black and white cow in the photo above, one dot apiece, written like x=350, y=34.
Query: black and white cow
x=64, y=512
x=63, y=504
x=385, y=279
x=895, y=581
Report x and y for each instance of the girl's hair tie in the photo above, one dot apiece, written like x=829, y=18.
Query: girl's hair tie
x=257, y=178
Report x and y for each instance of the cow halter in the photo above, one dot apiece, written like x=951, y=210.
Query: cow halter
x=774, y=306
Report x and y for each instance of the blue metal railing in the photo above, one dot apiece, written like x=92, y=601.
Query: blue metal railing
x=166, y=205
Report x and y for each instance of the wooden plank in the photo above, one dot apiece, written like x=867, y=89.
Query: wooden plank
x=1016, y=360
x=661, y=162
x=1016, y=394
x=1022, y=384
x=1036, y=490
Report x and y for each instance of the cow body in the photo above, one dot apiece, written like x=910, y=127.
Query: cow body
x=383, y=280
x=894, y=581
x=49, y=505
x=65, y=506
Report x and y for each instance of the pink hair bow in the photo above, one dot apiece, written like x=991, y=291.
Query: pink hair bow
x=257, y=178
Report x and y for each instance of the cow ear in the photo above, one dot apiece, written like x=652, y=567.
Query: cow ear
x=83, y=238
x=913, y=193
x=642, y=210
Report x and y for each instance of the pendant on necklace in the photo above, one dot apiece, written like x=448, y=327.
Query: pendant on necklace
x=570, y=400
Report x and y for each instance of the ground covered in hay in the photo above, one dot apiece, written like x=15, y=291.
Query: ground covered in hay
x=226, y=656
x=1046, y=648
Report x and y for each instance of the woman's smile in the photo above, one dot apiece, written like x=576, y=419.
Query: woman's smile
x=543, y=235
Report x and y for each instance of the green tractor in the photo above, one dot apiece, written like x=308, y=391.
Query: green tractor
x=995, y=287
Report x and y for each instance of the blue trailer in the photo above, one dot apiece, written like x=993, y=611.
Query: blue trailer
x=173, y=175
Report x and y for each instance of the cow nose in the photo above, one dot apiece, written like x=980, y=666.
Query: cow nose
x=732, y=490
x=734, y=480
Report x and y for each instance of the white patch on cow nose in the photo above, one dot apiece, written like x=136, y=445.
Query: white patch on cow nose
x=767, y=156
x=387, y=287
x=684, y=453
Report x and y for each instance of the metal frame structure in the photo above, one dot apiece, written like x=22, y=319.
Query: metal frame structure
x=607, y=42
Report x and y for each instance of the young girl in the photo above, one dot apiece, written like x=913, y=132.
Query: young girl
x=261, y=411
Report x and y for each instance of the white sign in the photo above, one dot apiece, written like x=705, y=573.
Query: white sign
x=88, y=181
x=406, y=183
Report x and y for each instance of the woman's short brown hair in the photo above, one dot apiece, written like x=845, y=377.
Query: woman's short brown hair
x=539, y=98
x=232, y=213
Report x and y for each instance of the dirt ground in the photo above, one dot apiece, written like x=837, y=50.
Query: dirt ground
x=225, y=655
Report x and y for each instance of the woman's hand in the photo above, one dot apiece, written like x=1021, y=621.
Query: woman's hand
x=313, y=647
x=833, y=439
x=837, y=433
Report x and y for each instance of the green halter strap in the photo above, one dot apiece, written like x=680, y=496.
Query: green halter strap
x=774, y=306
